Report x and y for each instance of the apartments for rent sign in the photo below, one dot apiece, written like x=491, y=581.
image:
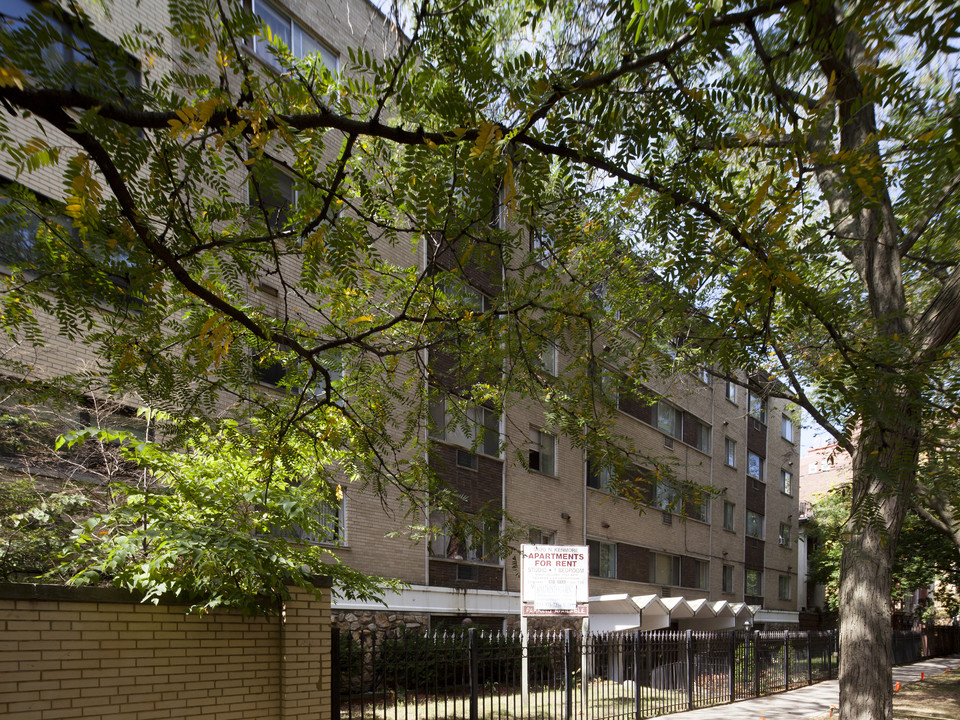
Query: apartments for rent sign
x=554, y=580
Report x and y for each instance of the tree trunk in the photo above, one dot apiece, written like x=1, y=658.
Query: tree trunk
x=884, y=473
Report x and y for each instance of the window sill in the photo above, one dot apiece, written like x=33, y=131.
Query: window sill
x=464, y=561
x=461, y=447
x=547, y=475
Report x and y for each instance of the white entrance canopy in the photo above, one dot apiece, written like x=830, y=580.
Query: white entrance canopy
x=609, y=613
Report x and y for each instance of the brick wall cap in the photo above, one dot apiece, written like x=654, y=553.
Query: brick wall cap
x=73, y=593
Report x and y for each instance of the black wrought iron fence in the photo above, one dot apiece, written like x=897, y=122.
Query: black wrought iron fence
x=602, y=676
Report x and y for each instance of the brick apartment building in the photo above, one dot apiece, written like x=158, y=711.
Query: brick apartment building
x=696, y=555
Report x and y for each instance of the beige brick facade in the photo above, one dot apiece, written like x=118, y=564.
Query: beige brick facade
x=97, y=653
x=559, y=502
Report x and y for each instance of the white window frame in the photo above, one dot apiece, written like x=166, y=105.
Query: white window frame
x=297, y=32
x=729, y=516
x=758, y=520
x=699, y=499
x=730, y=392
x=701, y=574
x=274, y=212
x=604, y=476
x=463, y=546
x=784, y=588
x=332, y=515
x=667, y=497
x=606, y=566
x=541, y=247
x=704, y=437
x=786, y=428
x=539, y=536
x=730, y=452
x=668, y=419
x=548, y=359
x=726, y=580
x=757, y=406
x=464, y=430
x=758, y=475
x=786, y=482
x=543, y=452
x=665, y=569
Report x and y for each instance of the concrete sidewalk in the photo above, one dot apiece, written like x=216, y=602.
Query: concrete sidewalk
x=807, y=702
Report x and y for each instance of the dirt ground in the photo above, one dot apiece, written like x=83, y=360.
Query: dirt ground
x=934, y=697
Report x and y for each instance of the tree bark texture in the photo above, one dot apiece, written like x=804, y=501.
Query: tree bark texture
x=884, y=473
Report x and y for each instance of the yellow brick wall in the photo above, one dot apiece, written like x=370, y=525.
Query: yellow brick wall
x=97, y=653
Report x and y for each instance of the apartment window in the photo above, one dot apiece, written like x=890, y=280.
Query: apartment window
x=536, y=536
x=330, y=518
x=664, y=569
x=703, y=375
x=541, y=246
x=543, y=452
x=731, y=392
x=29, y=221
x=700, y=579
x=786, y=428
x=727, y=580
x=20, y=228
x=728, y=515
x=784, y=587
x=695, y=504
x=757, y=407
x=271, y=192
x=669, y=420
x=599, y=477
x=291, y=34
x=472, y=427
x=469, y=538
x=784, y=535
x=548, y=358
x=754, y=525
x=730, y=452
x=458, y=293
x=603, y=559
x=786, y=482
x=703, y=437
x=754, y=466
x=666, y=496
x=753, y=582
x=116, y=70
x=606, y=385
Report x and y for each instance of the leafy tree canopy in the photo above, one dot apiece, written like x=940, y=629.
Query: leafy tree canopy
x=788, y=168
x=923, y=559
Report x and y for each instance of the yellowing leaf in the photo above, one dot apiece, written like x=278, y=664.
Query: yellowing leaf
x=759, y=197
x=11, y=76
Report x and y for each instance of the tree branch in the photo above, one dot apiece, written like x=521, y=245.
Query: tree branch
x=918, y=229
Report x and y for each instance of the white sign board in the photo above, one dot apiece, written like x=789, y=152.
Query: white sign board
x=554, y=580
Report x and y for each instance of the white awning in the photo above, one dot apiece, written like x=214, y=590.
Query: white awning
x=610, y=613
